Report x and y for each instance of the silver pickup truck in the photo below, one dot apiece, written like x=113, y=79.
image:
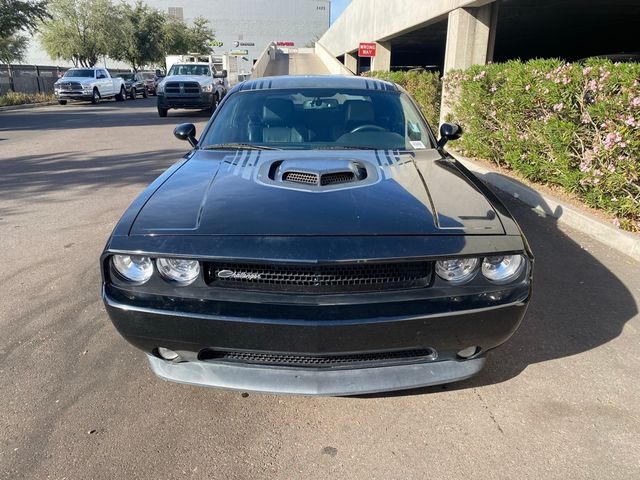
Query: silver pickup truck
x=194, y=85
x=92, y=84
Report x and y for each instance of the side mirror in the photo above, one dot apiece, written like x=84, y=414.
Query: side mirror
x=222, y=74
x=449, y=131
x=186, y=131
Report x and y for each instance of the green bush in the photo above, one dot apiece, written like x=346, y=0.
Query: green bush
x=16, y=98
x=424, y=87
x=572, y=125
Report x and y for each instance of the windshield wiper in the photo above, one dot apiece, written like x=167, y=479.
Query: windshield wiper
x=349, y=147
x=237, y=146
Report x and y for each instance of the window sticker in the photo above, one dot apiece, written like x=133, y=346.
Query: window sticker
x=418, y=145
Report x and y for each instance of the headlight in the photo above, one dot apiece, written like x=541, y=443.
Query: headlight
x=133, y=267
x=178, y=270
x=160, y=88
x=208, y=88
x=502, y=269
x=457, y=270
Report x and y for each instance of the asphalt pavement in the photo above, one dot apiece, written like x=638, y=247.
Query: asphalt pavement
x=561, y=400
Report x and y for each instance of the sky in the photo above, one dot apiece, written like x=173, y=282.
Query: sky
x=337, y=7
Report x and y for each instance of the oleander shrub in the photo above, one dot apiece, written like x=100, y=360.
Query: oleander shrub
x=17, y=98
x=424, y=87
x=572, y=125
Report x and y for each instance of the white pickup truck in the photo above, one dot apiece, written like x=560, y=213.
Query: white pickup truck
x=92, y=84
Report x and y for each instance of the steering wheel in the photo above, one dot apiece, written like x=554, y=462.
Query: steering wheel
x=368, y=127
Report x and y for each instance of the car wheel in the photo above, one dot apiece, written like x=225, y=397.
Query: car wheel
x=95, y=98
x=145, y=94
x=132, y=96
x=62, y=102
x=162, y=111
x=122, y=96
x=214, y=104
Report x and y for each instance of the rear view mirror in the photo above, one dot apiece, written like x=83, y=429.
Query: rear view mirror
x=222, y=74
x=186, y=131
x=449, y=131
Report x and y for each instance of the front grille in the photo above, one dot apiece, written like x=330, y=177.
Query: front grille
x=334, y=278
x=319, y=361
x=337, y=177
x=182, y=88
x=71, y=86
x=300, y=177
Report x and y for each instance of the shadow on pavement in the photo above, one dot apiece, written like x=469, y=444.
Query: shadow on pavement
x=578, y=304
x=81, y=115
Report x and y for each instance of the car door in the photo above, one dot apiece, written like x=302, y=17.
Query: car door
x=105, y=84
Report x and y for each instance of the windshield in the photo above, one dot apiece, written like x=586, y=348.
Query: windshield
x=319, y=119
x=76, y=72
x=126, y=76
x=190, y=69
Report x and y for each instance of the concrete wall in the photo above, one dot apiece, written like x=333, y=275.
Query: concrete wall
x=332, y=64
x=380, y=20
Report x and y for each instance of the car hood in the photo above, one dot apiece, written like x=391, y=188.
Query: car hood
x=241, y=193
x=188, y=78
x=75, y=79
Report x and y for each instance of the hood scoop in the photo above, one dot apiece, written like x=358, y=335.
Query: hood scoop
x=319, y=173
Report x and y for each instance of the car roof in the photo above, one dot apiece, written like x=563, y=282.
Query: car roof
x=316, y=81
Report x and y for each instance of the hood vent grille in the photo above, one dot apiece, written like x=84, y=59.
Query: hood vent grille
x=300, y=177
x=337, y=177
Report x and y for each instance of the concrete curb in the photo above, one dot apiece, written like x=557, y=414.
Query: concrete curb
x=607, y=234
x=25, y=106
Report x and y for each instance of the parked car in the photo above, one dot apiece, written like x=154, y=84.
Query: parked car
x=317, y=240
x=134, y=85
x=149, y=80
x=191, y=85
x=92, y=84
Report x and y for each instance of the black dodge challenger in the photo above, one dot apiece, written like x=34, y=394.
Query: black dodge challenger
x=317, y=240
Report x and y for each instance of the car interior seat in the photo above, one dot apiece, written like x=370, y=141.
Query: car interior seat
x=279, y=122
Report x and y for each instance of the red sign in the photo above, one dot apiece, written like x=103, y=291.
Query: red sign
x=367, y=49
x=285, y=44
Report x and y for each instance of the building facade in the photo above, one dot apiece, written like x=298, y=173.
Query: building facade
x=242, y=27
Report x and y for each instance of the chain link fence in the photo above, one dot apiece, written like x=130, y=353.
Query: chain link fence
x=33, y=78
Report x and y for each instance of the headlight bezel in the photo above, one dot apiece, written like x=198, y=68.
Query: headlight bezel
x=514, y=268
x=164, y=267
x=118, y=261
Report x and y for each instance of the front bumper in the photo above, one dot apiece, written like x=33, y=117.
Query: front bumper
x=202, y=101
x=268, y=328
x=299, y=381
x=73, y=95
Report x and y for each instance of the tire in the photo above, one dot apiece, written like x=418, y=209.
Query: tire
x=162, y=112
x=214, y=104
x=132, y=95
x=145, y=94
x=62, y=102
x=122, y=96
x=95, y=97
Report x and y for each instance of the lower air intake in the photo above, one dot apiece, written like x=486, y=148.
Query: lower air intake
x=320, y=361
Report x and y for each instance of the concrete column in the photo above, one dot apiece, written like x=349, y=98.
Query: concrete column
x=351, y=61
x=382, y=60
x=471, y=35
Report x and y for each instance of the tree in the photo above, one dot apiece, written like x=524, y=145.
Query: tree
x=180, y=38
x=79, y=30
x=139, y=38
x=17, y=16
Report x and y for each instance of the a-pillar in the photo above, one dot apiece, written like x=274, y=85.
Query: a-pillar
x=471, y=36
x=382, y=60
x=351, y=61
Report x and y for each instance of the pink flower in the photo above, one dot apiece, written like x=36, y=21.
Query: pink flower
x=612, y=139
x=585, y=118
x=527, y=88
x=635, y=102
x=558, y=107
x=584, y=166
x=616, y=222
x=586, y=71
x=593, y=85
x=632, y=122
